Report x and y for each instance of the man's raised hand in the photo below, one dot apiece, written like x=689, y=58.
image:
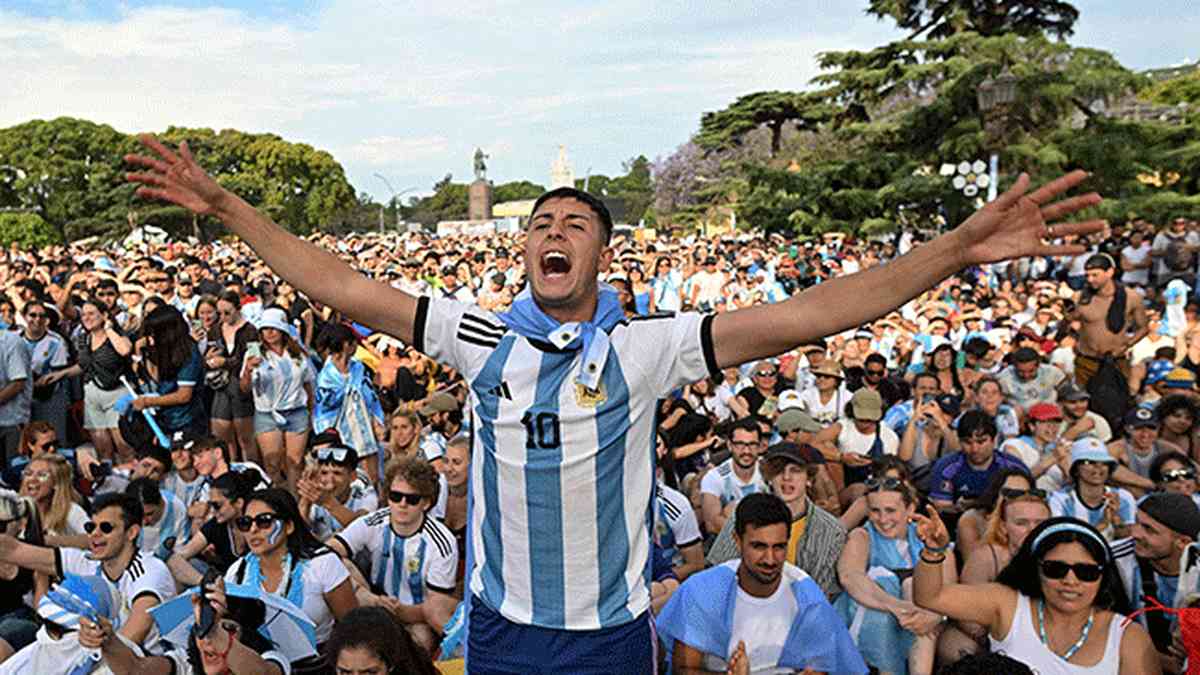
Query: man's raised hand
x=1019, y=224
x=175, y=178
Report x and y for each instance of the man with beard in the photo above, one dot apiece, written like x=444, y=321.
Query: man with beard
x=443, y=421
x=566, y=390
x=727, y=483
x=1112, y=319
x=758, y=613
x=1166, y=524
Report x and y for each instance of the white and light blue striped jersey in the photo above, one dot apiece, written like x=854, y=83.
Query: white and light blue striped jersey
x=362, y=497
x=174, y=526
x=278, y=382
x=723, y=483
x=1066, y=502
x=433, y=444
x=405, y=568
x=187, y=492
x=675, y=523
x=562, y=477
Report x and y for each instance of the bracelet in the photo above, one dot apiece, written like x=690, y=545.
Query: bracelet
x=937, y=549
x=938, y=561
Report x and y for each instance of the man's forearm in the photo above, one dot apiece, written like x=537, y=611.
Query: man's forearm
x=11, y=390
x=183, y=571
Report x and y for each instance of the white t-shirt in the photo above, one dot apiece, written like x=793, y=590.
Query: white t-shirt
x=850, y=439
x=362, y=498
x=1140, y=277
x=76, y=517
x=828, y=412
x=321, y=575
x=430, y=556
x=722, y=482
x=1145, y=348
x=763, y=624
x=144, y=575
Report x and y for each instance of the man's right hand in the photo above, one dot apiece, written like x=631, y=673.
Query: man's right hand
x=175, y=178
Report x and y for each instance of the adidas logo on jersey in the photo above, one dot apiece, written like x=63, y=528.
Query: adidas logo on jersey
x=501, y=390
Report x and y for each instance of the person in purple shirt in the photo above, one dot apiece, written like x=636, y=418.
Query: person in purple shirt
x=964, y=475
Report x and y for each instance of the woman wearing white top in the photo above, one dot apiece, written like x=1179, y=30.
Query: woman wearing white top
x=287, y=560
x=1057, y=607
x=49, y=481
x=281, y=377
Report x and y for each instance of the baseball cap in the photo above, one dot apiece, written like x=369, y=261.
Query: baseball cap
x=950, y=404
x=1072, y=392
x=1140, y=418
x=1177, y=511
x=1180, y=378
x=449, y=271
x=1157, y=370
x=802, y=454
x=1045, y=411
x=789, y=400
x=797, y=420
x=1090, y=449
x=867, y=405
x=439, y=402
x=710, y=260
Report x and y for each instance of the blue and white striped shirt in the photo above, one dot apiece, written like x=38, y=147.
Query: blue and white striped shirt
x=562, y=478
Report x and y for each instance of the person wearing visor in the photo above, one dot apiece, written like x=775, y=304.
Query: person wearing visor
x=413, y=557
x=334, y=495
x=1057, y=607
x=1108, y=509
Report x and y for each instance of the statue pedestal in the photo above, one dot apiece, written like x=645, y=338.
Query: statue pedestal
x=479, y=206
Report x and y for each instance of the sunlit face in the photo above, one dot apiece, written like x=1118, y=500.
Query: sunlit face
x=42, y=443
x=564, y=252
x=360, y=661
x=455, y=464
x=1069, y=594
x=889, y=513
x=924, y=386
x=1143, y=436
x=228, y=313
x=221, y=508
x=943, y=359
x=405, y=515
x=1076, y=409
x=746, y=447
x=978, y=448
x=791, y=484
x=106, y=546
x=990, y=396
x=1178, y=477
x=1154, y=541
x=207, y=314
x=1179, y=421
x=263, y=540
x=1026, y=370
x=335, y=478
x=1020, y=517
x=37, y=481
x=403, y=431
x=1097, y=278
x=91, y=318
x=207, y=460
x=764, y=550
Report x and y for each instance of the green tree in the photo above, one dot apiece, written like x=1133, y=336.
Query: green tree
x=449, y=201
x=27, y=230
x=516, y=191
x=943, y=18
x=770, y=109
x=1182, y=89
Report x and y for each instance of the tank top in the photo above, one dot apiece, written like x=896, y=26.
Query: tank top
x=1023, y=644
x=1139, y=464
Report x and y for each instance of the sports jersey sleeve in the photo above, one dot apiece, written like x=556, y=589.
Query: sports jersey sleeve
x=1126, y=507
x=72, y=561
x=943, y=482
x=686, y=528
x=673, y=349
x=354, y=537
x=442, y=569
x=1058, y=504
x=192, y=371
x=329, y=570
x=711, y=484
x=457, y=334
x=155, y=580
x=59, y=353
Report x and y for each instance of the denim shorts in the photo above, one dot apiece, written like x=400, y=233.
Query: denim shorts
x=295, y=421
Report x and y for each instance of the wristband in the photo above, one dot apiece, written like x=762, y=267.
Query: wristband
x=937, y=550
x=941, y=559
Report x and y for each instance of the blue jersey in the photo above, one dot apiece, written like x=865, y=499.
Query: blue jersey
x=1066, y=502
x=562, y=477
x=954, y=477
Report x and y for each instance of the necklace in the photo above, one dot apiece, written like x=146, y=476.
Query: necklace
x=1083, y=636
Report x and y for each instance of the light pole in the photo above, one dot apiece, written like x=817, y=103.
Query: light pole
x=395, y=196
x=995, y=98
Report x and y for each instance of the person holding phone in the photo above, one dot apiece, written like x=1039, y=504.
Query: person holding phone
x=232, y=407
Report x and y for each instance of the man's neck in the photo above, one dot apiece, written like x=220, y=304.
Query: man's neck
x=753, y=586
x=187, y=475
x=1091, y=494
x=745, y=474
x=798, y=507
x=1167, y=565
x=114, y=567
x=34, y=337
x=983, y=466
x=457, y=490
x=583, y=311
x=407, y=529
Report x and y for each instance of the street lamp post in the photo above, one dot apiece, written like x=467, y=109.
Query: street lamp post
x=395, y=196
x=995, y=98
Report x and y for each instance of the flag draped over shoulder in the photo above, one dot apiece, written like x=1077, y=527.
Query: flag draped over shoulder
x=700, y=615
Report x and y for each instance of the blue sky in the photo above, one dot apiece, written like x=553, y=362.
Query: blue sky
x=409, y=89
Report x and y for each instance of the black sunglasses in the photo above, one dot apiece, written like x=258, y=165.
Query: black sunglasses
x=1014, y=493
x=765, y=373
x=105, y=527
x=262, y=521
x=1178, y=474
x=875, y=373
x=410, y=498
x=889, y=483
x=1085, y=572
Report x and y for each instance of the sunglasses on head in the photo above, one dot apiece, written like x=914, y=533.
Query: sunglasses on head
x=1086, y=572
x=1014, y=493
x=410, y=498
x=262, y=521
x=333, y=454
x=1178, y=474
x=105, y=527
x=877, y=484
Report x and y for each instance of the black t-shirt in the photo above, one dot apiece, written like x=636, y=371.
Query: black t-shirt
x=102, y=366
x=13, y=596
x=220, y=537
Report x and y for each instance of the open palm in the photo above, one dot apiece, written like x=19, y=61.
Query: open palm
x=1018, y=224
x=175, y=178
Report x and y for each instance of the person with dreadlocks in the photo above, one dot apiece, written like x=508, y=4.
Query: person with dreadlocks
x=1112, y=319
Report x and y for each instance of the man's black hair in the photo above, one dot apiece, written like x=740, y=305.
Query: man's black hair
x=1025, y=355
x=131, y=508
x=145, y=490
x=748, y=423
x=986, y=664
x=760, y=509
x=592, y=202
x=876, y=357
x=157, y=453
x=974, y=422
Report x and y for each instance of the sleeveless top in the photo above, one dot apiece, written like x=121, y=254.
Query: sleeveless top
x=1023, y=644
x=1139, y=464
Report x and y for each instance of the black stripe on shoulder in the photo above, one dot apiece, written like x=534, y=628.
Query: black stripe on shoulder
x=477, y=341
x=651, y=317
x=135, y=568
x=706, y=345
x=419, y=323
x=440, y=539
x=477, y=332
x=682, y=545
x=374, y=519
x=671, y=510
x=439, y=589
x=484, y=325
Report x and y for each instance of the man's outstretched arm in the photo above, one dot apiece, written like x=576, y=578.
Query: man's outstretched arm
x=176, y=177
x=1012, y=226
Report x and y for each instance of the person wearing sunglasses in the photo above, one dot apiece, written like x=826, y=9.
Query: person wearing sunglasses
x=1089, y=497
x=1167, y=525
x=1058, y=606
x=413, y=557
x=142, y=581
x=216, y=543
x=972, y=526
x=1175, y=472
x=334, y=495
x=49, y=356
x=284, y=558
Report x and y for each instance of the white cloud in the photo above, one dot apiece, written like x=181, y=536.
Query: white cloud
x=395, y=150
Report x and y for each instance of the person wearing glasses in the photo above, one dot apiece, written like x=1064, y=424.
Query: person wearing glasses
x=1057, y=606
x=1018, y=508
x=233, y=646
x=336, y=494
x=1175, y=472
x=140, y=581
x=761, y=398
x=284, y=558
x=725, y=484
x=49, y=356
x=413, y=557
x=1089, y=498
x=216, y=543
x=37, y=438
x=973, y=524
x=893, y=634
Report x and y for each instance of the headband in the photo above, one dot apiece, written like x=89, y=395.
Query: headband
x=1072, y=527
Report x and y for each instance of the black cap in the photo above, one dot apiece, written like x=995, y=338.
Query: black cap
x=449, y=271
x=1177, y=511
x=501, y=252
x=1025, y=355
x=1072, y=392
x=1139, y=418
x=803, y=455
x=950, y=404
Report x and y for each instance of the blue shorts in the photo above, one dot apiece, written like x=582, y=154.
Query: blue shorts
x=497, y=646
x=295, y=421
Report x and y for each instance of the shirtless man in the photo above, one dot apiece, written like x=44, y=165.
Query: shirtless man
x=1097, y=337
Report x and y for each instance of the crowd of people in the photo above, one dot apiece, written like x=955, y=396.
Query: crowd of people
x=984, y=479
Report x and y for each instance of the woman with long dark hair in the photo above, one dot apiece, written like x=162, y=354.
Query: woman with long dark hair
x=171, y=369
x=1056, y=607
x=232, y=408
x=286, y=559
x=370, y=640
x=104, y=353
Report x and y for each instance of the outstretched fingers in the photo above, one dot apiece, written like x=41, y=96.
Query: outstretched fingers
x=1013, y=194
x=1071, y=205
x=1081, y=228
x=1058, y=186
x=147, y=178
x=151, y=142
x=148, y=162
